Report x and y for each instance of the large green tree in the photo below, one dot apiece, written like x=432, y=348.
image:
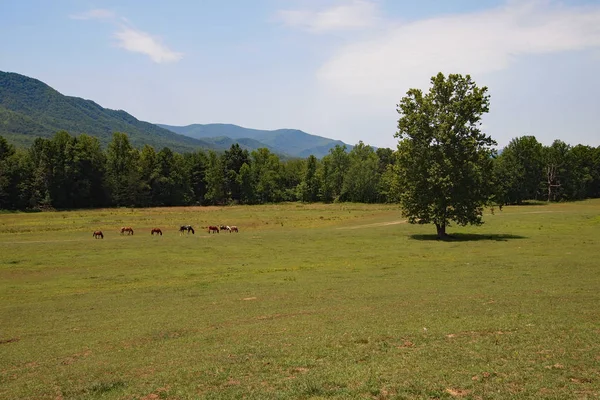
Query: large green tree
x=444, y=159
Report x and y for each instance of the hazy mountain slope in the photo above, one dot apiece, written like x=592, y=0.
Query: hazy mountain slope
x=224, y=142
x=293, y=142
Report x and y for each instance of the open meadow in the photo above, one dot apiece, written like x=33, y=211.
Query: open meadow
x=306, y=301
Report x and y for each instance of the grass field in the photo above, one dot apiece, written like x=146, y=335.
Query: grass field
x=307, y=301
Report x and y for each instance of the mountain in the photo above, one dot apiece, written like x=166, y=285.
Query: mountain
x=292, y=142
x=29, y=108
x=225, y=142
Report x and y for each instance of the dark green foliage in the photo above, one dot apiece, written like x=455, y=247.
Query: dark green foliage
x=445, y=164
x=309, y=188
x=585, y=172
x=194, y=168
x=362, y=177
x=7, y=173
x=170, y=187
x=386, y=157
x=266, y=168
x=335, y=168
x=233, y=159
x=246, y=185
x=527, y=170
x=556, y=159
x=123, y=178
x=518, y=170
x=215, y=180
x=74, y=172
x=291, y=174
x=324, y=173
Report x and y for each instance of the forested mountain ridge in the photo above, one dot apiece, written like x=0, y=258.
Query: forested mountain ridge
x=292, y=142
x=30, y=108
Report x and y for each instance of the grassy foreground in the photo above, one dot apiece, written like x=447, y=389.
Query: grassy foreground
x=307, y=301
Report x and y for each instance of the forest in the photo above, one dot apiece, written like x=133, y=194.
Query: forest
x=70, y=172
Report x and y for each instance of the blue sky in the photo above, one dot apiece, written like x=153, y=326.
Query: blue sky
x=334, y=68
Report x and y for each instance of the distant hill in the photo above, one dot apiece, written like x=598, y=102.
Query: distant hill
x=291, y=142
x=225, y=142
x=29, y=108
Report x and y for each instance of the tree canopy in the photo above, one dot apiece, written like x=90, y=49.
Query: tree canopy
x=444, y=159
x=75, y=172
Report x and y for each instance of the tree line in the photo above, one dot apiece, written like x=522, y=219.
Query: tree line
x=68, y=172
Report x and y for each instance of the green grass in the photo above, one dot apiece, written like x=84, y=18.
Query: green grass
x=307, y=301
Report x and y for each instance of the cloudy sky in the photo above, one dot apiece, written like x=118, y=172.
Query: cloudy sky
x=334, y=68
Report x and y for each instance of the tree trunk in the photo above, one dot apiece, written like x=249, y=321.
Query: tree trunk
x=441, y=231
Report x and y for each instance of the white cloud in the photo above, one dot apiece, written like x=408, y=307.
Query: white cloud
x=132, y=39
x=142, y=42
x=97, y=13
x=354, y=15
x=475, y=43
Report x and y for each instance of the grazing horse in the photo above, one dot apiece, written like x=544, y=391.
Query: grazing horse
x=187, y=228
x=156, y=230
x=127, y=229
x=233, y=229
x=98, y=235
x=213, y=229
x=225, y=228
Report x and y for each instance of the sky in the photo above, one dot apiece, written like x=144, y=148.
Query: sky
x=333, y=68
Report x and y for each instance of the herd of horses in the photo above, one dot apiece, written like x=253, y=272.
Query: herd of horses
x=182, y=229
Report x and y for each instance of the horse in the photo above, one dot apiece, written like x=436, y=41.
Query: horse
x=233, y=229
x=156, y=230
x=98, y=235
x=127, y=229
x=187, y=228
x=225, y=228
x=213, y=229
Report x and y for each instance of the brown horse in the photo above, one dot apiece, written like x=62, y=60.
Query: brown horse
x=156, y=230
x=233, y=229
x=127, y=229
x=98, y=235
x=213, y=229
